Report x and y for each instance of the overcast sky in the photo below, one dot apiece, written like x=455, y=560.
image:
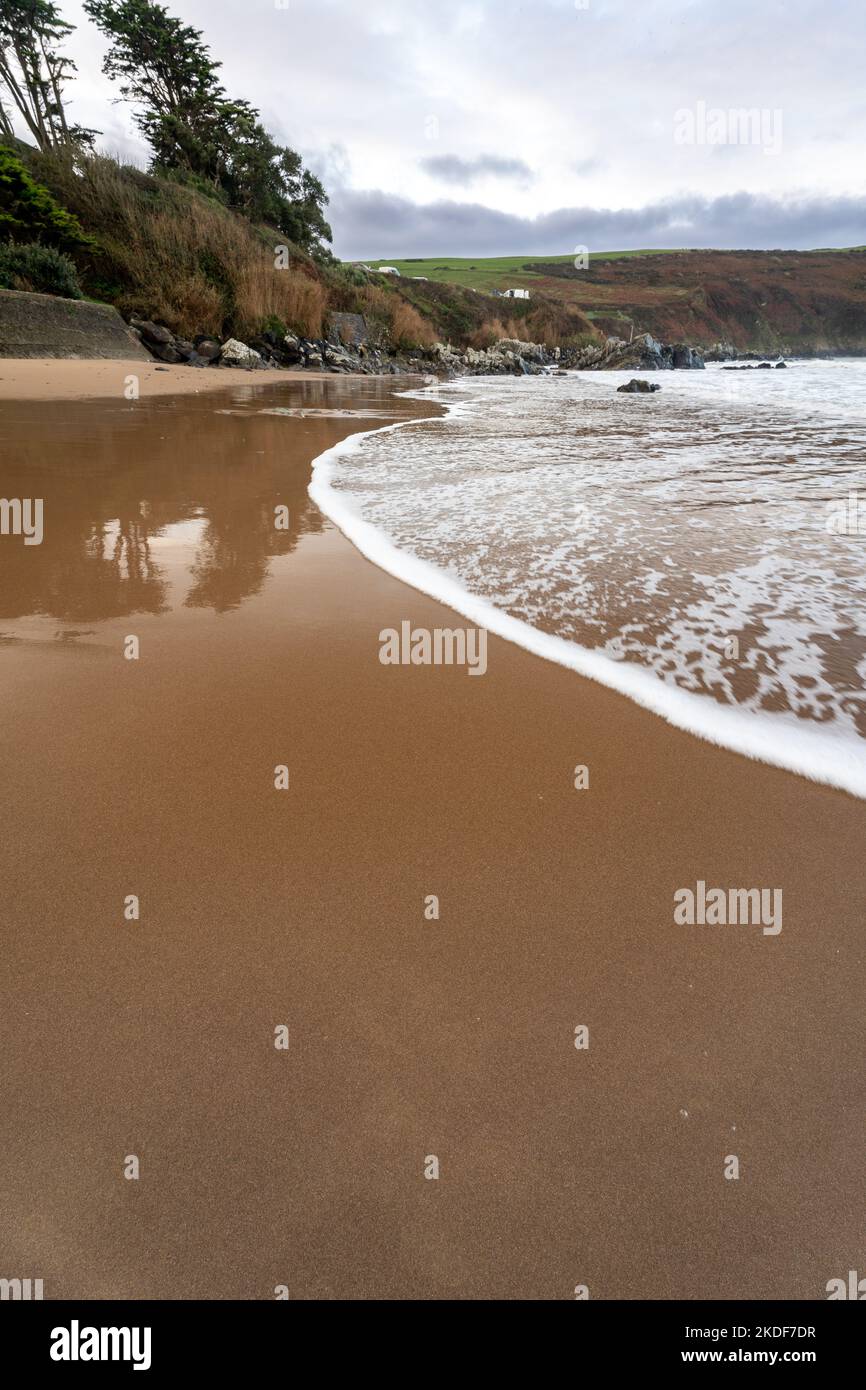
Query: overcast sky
x=492, y=127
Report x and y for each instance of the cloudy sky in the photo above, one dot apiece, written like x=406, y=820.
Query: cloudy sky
x=495, y=127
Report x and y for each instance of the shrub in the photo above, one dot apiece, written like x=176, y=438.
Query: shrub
x=28, y=212
x=41, y=269
x=274, y=325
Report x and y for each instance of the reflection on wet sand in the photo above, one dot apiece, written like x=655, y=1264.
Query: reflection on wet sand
x=148, y=509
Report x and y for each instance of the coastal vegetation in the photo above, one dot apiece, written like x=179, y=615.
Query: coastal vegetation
x=43, y=269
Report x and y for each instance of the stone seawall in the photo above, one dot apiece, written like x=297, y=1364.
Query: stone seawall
x=43, y=325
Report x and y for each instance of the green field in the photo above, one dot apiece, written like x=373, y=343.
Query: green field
x=508, y=272
x=493, y=272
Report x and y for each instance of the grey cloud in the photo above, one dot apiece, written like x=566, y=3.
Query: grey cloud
x=587, y=166
x=450, y=168
x=331, y=165
x=375, y=224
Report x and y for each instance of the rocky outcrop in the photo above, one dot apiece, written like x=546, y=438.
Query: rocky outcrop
x=508, y=357
x=755, y=367
x=685, y=358
x=348, y=349
x=644, y=353
x=638, y=386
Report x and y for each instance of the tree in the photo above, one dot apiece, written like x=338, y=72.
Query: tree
x=166, y=70
x=268, y=182
x=195, y=131
x=33, y=72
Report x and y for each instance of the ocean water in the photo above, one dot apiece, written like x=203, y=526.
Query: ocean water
x=702, y=549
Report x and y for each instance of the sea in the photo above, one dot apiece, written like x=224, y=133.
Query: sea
x=701, y=549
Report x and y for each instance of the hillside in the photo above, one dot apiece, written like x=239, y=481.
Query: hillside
x=760, y=301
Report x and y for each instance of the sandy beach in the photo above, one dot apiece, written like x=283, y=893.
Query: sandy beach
x=69, y=379
x=558, y=1167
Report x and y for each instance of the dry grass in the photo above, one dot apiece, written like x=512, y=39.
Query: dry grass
x=408, y=328
x=492, y=331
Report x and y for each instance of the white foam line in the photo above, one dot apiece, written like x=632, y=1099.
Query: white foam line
x=766, y=738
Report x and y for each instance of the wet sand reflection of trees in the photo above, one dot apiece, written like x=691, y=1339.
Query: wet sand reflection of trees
x=114, y=477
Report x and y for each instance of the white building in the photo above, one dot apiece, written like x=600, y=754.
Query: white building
x=516, y=294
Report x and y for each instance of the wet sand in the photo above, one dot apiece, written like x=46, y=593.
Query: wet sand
x=408, y=1038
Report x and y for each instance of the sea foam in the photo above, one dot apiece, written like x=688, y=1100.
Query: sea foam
x=430, y=484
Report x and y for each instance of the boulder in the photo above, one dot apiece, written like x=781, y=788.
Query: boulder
x=154, y=334
x=265, y=348
x=685, y=358
x=208, y=348
x=166, y=352
x=339, y=359
x=237, y=354
x=638, y=386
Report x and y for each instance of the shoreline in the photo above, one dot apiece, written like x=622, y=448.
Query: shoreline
x=821, y=759
x=67, y=379
x=408, y=1037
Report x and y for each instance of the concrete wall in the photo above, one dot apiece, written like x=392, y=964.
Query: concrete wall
x=43, y=325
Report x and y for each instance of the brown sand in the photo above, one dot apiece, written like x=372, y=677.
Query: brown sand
x=408, y=1038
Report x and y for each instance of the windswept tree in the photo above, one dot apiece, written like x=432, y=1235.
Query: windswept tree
x=195, y=131
x=166, y=72
x=34, y=72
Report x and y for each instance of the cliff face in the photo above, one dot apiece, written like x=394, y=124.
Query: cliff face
x=760, y=301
